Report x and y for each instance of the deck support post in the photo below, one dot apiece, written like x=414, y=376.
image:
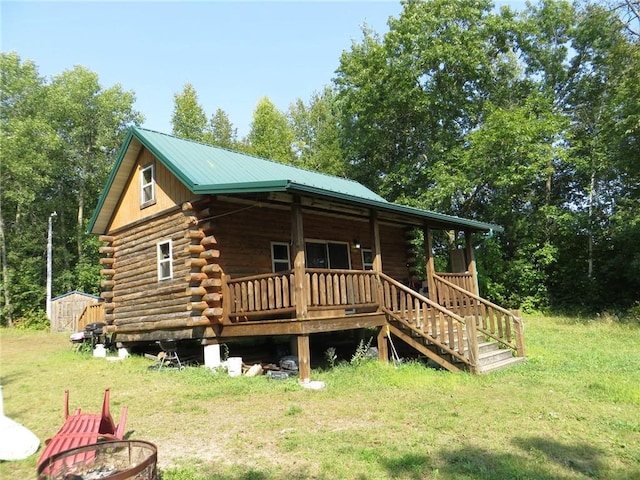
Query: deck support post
x=471, y=261
x=430, y=264
x=383, y=345
x=304, y=358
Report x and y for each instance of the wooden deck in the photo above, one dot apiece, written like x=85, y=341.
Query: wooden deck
x=450, y=326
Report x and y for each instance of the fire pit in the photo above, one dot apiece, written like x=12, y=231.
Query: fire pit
x=117, y=460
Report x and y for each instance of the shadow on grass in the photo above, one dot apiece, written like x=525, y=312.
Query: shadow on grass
x=580, y=457
x=408, y=466
x=540, y=460
x=470, y=462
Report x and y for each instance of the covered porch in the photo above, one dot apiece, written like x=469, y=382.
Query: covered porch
x=446, y=322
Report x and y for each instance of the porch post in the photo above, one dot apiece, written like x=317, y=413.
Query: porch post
x=375, y=240
x=471, y=261
x=299, y=288
x=297, y=241
x=430, y=264
x=374, y=227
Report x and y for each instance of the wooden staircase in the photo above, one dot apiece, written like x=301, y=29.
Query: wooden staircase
x=486, y=339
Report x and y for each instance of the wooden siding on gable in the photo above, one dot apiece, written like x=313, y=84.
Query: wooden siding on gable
x=169, y=192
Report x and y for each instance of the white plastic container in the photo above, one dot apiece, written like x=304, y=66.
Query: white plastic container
x=212, y=356
x=234, y=366
x=99, y=351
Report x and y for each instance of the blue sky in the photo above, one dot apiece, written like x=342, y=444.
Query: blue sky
x=233, y=53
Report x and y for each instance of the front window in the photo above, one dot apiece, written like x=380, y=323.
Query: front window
x=147, y=186
x=280, y=257
x=333, y=255
x=165, y=264
x=367, y=259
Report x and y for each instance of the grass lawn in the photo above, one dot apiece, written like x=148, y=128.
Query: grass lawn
x=572, y=411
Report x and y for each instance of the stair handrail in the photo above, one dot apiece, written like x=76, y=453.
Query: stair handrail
x=517, y=321
x=471, y=356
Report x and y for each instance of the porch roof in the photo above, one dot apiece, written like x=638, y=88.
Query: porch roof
x=206, y=169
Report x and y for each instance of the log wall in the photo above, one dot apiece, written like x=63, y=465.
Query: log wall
x=131, y=286
x=244, y=237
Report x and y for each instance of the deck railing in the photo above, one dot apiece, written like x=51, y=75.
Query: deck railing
x=273, y=293
x=466, y=281
x=267, y=294
x=442, y=328
x=491, y=320
x=341, y=288
x=92, y=313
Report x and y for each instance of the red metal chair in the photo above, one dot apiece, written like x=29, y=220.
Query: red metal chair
x=80, y=429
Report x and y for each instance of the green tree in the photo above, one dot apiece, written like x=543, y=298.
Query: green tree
x=270, y=135
x=59, y=140
x=189, y=119
x=316, y=131
x=223, y=134
x=26, y=137
x=90, y=123
x=409, y=98
x=439, y=114
x=603, y=104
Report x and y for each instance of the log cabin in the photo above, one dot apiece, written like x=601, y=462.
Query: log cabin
x=211, y=245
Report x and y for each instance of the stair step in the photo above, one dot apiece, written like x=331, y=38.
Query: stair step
x=494, y=356
x=485, y=347
x=493, y=367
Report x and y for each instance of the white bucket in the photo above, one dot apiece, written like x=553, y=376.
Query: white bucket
x=99, y=351
x=212, y=356
x=234, y=366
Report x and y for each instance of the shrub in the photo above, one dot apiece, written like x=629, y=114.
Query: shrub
x=35, y=319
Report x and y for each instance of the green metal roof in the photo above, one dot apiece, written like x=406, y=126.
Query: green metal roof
x=205, y=169
x=209, y=170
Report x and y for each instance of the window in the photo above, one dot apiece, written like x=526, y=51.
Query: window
x=280, y=256
x=147, y=186
x=327, y=255
x=367, y=259
x=165, y=264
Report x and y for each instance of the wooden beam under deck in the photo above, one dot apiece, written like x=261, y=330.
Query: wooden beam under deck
x=293, y=327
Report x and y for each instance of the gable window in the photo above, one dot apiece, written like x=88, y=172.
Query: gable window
x=147, y=186
x=280, y=258
x=367, y=259
x=327, y=255
x=165, y=264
